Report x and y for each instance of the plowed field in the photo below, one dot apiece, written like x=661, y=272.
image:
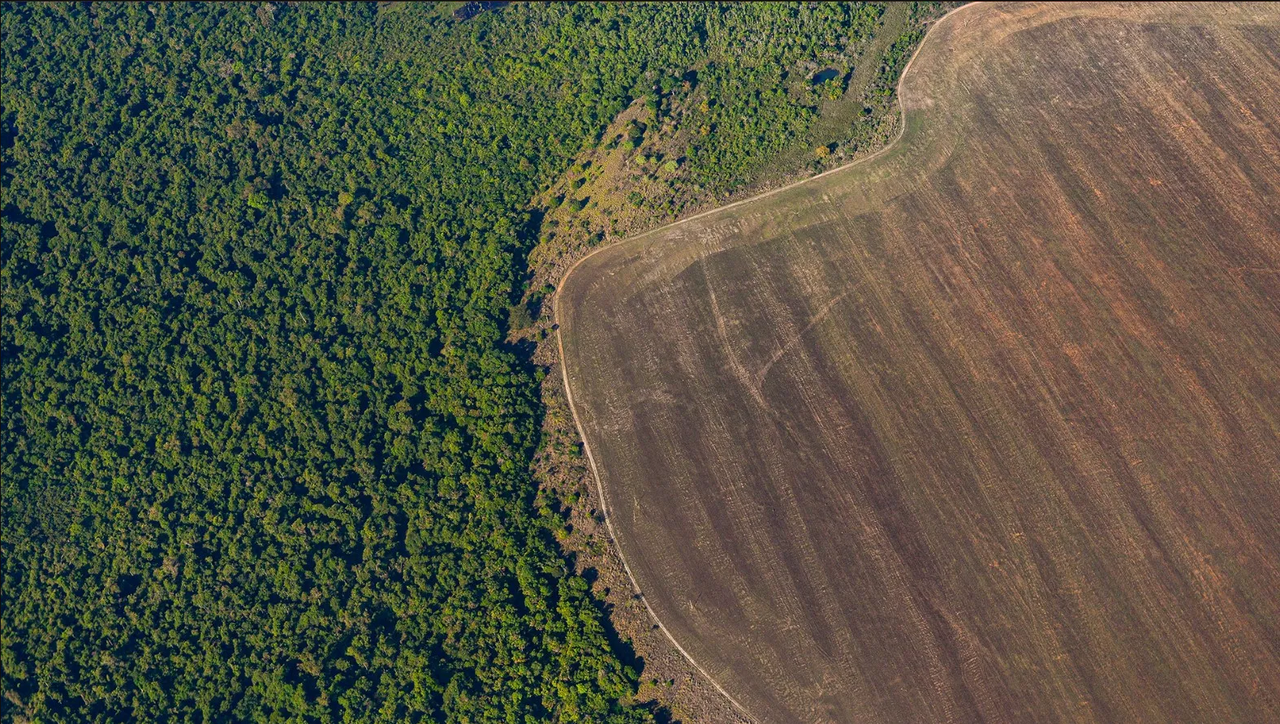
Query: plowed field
x=986, y=427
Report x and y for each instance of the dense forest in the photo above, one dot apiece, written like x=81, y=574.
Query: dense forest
x=266, y=447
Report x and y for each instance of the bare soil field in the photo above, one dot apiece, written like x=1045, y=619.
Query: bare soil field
x=986, y=427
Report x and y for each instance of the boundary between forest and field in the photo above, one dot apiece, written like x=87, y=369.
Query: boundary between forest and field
x=564, y=372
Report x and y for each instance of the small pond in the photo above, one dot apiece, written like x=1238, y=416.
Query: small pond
x=825, y=75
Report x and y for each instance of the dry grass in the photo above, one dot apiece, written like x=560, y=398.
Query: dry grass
x=987, y=427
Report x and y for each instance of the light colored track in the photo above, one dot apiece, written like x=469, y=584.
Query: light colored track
x=564, y=372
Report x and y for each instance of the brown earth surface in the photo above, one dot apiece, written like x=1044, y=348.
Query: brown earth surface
x=986, y=427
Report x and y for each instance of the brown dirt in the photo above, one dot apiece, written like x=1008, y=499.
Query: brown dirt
x=988, y=427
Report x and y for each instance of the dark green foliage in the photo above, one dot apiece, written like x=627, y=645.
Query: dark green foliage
x=265, y=452
x=749, y=115
x=635, y=130
x=895, y=59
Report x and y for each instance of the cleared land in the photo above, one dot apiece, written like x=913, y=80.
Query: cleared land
x=987, y=427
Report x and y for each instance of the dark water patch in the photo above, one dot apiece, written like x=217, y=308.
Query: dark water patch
x=825, y=75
